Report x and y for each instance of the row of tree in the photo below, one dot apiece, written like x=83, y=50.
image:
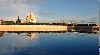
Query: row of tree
x=64, y=24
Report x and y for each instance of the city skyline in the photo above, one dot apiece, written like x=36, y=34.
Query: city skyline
x=51, y=10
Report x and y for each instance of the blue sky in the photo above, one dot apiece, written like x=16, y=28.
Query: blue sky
x=51, y=10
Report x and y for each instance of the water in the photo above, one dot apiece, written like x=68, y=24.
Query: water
x=68, y=43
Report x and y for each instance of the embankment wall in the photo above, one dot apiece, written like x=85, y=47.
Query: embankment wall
x=32, y=28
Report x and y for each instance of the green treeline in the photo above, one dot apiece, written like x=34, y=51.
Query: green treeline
x=63, y=24
x=9, y=22
x=13, y=23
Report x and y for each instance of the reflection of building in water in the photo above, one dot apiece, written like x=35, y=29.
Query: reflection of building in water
x=96, y=31
x=31, y=36
x=1, y=34
x=31, y=18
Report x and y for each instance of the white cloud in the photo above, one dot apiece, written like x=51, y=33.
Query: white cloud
x=16, y=44
x=45, y=13
x=17, y=10
x=88, y=18
x=11, y=9
x=93, y=16
x=11, y=2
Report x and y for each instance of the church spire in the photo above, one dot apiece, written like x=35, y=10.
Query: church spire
x=18, y=17
x=18, y=20
x=30, y=13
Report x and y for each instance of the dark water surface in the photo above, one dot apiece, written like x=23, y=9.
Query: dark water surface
x=49, y=44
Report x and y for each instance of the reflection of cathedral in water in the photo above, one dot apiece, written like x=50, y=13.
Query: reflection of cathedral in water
x=31, y=36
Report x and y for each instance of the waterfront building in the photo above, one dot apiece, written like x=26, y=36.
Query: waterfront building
x=23, y=21
x=1, y=22
x=31, y=18
x=62, y=21
x=70, y=22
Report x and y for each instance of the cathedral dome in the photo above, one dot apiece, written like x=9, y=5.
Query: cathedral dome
x=31, y=18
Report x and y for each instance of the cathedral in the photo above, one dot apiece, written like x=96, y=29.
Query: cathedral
x=31, y=18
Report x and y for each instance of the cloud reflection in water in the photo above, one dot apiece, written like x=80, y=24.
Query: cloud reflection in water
x=47, y=44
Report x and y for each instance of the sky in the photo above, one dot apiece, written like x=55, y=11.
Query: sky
x=51, y=10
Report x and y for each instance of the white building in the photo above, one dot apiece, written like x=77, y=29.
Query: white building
x=31, y=18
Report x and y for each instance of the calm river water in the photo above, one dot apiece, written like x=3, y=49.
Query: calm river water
x=69, y=43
